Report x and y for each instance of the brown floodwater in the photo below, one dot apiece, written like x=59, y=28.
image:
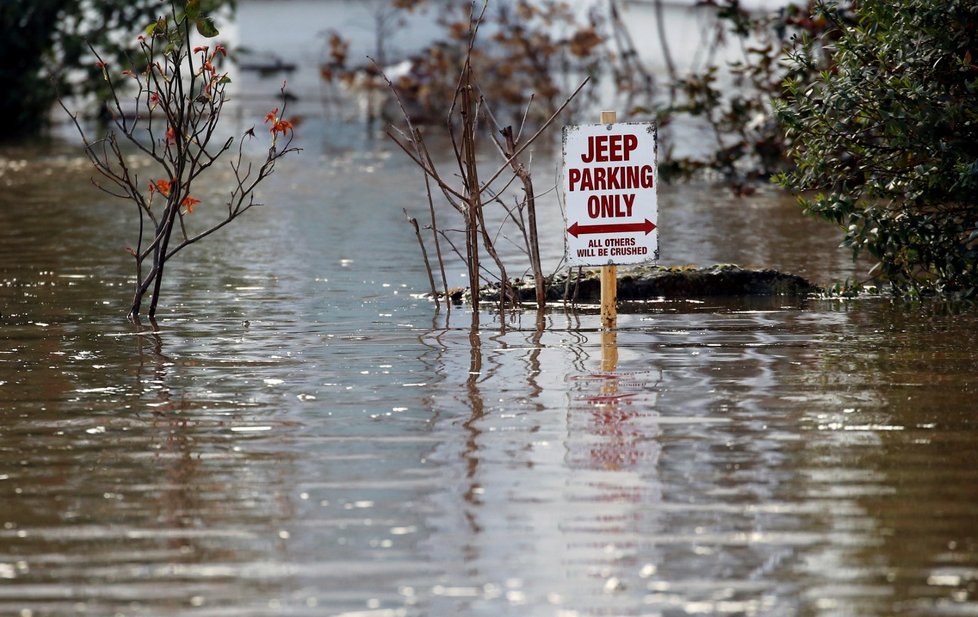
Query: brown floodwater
x=303, y=434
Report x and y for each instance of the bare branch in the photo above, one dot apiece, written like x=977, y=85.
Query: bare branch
x=539, y=132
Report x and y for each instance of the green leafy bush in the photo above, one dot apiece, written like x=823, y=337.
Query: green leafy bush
x=886, y=143
x=45, y=51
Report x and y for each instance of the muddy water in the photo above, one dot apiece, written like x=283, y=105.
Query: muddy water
x=301, y=434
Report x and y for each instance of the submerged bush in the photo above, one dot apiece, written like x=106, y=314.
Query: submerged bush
x=533, y=48
x=886, y=143
x=166, y=104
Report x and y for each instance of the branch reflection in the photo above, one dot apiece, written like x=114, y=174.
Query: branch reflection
x=559, y=451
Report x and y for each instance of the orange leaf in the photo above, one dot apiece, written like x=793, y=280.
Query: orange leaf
x=163, y=186
x=189, y=202
x=281, y=127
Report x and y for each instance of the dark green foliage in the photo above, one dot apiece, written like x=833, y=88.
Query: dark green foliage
x=44, y=51
x=28, y=35
x=886, y=143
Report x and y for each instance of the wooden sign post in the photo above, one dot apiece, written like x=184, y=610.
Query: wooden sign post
x=609, y=272
x=609, y=302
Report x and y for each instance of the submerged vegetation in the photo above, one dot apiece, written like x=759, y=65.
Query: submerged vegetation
x=468, y=112
x=174, y=95
x=521, y=71
x=875, y=122
x=863, y=107
x=526, y=50
x=886, y=143
x=541, y=50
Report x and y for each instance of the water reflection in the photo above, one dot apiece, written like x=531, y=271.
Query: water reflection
x=528, y=501
x=905, y=430
x=688, y=488
x=471, y=424
x=747, y=458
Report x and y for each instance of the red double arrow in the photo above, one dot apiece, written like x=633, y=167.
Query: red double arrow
x=577, y=229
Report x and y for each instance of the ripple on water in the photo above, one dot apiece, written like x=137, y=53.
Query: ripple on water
x=302, y=434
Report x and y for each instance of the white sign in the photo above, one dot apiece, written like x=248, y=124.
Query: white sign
x=610, y=193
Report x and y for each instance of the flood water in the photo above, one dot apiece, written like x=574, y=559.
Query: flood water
x=303, y=434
